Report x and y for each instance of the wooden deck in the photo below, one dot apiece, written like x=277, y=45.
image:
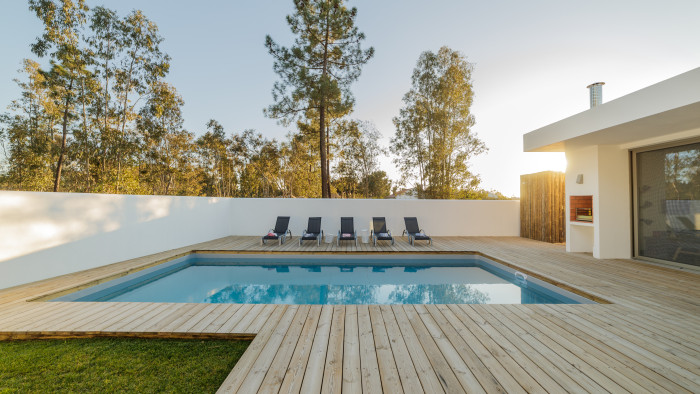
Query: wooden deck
x=646, y=339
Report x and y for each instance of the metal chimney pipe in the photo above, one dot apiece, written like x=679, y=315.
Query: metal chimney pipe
x=596, y=90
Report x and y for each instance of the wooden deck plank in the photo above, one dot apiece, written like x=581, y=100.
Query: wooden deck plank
x=313, y=377
x=444, y=358
x=237, y=376
x=569, y=346
x=555, y=381
x=233, y=321
x=333, y=369
x=567, y=365
x=430, y=381
x=255, y=376
x=606, y=351
x=499, y=358
x=482, y=365
x=406, y=370
x=352, y=373
x=388, y=372
x=371, y=381
x=278, y=367
x=294, y=376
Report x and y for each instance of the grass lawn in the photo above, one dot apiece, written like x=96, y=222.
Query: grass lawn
x=117, y=365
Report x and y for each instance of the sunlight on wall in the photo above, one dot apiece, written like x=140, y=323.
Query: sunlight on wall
x=154, y=208
x=48, y=234
x=36, y=221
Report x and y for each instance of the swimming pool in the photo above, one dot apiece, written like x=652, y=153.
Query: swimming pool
x=328, y=279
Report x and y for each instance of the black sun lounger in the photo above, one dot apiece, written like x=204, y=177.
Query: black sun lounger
x=279, y=232
x=414, y=232
x=379, y=231
x=347, y=231
x=313, y=231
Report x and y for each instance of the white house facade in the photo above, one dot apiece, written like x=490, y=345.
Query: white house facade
x=633, y=173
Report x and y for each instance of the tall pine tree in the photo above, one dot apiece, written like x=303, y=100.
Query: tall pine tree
x=316, y=72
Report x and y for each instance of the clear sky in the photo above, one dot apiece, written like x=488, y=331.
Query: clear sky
x=533, y=61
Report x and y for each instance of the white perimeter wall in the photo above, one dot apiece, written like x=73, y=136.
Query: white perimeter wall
x=436, y=217
x=48, y=234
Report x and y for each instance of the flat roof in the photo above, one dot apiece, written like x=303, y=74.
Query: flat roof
x=669, y=109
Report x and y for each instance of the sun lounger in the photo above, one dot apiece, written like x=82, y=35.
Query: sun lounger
x=279, y=232
x=347, y=231
x=379, y=231
x=414, y=232
x=313, y=231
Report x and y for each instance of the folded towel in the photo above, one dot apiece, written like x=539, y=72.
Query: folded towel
x=271, y=234
x=346, y=235
x=384, y=235
x=420, y=234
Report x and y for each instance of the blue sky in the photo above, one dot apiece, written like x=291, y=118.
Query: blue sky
x=533, y=61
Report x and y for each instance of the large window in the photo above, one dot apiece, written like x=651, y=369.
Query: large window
x=668, y=203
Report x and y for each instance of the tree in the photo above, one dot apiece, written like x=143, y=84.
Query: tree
x=379, y=184
x=300, y=168
x=62, y=21
x=434, y=141
x=358, y=154
x=141, y=67
x=166, y=145
x=316, y=72
x=29, y=134
x=215, y=161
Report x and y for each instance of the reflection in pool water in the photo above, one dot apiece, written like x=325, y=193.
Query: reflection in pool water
x=333, y=285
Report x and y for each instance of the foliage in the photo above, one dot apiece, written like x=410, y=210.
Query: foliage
x=316, y=72
x=97, y=115
x=434, y=142
x=358, y=165
x=101, y=118
x=117, y=365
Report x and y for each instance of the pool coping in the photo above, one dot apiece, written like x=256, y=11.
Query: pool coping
x=107, y=290
x=544, y=278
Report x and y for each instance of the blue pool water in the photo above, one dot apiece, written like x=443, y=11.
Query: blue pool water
x=329, y=279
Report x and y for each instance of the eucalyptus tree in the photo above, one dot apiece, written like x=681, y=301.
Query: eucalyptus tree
x=106, y=44
x=261, y=172
x=63, y=21
x=141, y=66
x=316, y=72
x=28, y=137
x=434, y=141
x=299, y=168
x=166, y=149
x=215, y=160
x=359, y=153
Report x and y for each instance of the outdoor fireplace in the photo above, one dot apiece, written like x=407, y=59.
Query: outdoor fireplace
x=581, y=208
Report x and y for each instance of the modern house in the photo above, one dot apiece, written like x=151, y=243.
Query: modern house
x=633, y=172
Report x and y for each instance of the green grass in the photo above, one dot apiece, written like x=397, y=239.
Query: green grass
x=117, y=365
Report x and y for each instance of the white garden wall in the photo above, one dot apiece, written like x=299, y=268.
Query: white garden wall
x=436, y=217
x=48, y=234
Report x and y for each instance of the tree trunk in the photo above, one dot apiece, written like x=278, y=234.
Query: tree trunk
x=126, y=101
x=325, y=182
x=322, y=142
x=328, y=160
x=59, y=165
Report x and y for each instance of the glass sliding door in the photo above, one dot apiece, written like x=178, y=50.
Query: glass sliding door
x=668, y=203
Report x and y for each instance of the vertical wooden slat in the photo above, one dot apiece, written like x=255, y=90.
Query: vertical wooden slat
x=542, y=205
